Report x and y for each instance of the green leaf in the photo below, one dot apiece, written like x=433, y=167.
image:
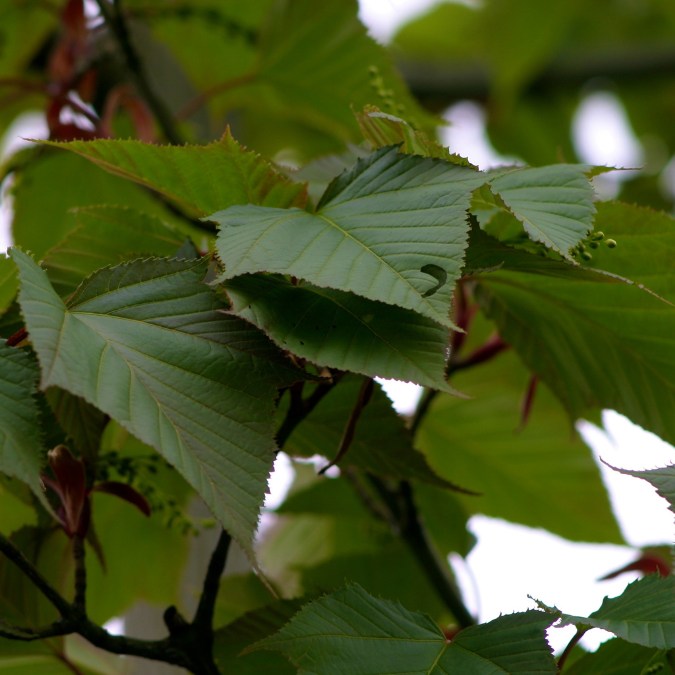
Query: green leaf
x=663, y=479
x=598, y=342
x=20, y=441
x=107, y=235
x=645, y=245
x=177, y=373
x=8, y=283
x=351, y=631
x=554, y=203
x=644, y=613
x=477, y=443
x=382, y=444
x=342, y=330
x=379, y=231
x=235, y=175
x=617, y=657
x=52, y=183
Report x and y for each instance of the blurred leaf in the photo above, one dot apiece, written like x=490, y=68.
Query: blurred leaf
x=185, y=375
x=477, y=443
x=15, y=506
x=341, y=330
x=23, y=28
x=382, y=444
x=619, y=657
x=645, y=245
x=351, y=631
x=107, y=235
x=53, y=183
x=8, y=283
x=393, y=229
x=598, y=342
x=230, y=641
x=21, y=443
x=235, y=175
x=239, y=594
x=643, y=614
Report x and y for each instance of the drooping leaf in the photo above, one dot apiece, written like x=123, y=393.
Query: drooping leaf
x=351, y=631
x=663, y=479
x=377, y=231
x=178, y=374
x=20, y=441
x=554, y=203
x=597, y=341
x=477, y=443
x=107, y=235
x=342, y=330
x=382, y=444
x=235, y=175
x=619, y=657
x=644, y=613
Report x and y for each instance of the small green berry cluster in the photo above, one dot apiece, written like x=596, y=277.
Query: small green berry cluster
x=593, y=241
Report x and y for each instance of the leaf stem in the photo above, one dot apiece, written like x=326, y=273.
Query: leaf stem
x=570, y=646
x=114, y=18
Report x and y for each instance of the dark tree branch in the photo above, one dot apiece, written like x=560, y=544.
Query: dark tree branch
x=114, y=18
x=570, y=646
x=203, y=619
x=80, y=599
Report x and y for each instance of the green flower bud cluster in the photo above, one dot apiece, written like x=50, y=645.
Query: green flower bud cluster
x=385, y=95
x=593, y=241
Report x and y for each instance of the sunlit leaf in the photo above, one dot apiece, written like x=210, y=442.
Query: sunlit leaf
x=351, y=631
x=380, y=231
x=145, y=343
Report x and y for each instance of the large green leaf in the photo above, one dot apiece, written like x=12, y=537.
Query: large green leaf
x=596, y=341
x=644, y=613
x=477, y=444
x=645, y=245
x=351, y=631
x=342, y=330
x=554, y=203
x=382, y=444
x=618, y=657
x=20, y=439
x=107, y=235
x=145, y=343
x=198, y=178
x=393, y=229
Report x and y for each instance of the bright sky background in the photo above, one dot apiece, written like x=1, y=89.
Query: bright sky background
x=511, y=561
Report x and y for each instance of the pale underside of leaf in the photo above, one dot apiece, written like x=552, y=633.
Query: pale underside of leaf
x=393, y=229
x=146, y=355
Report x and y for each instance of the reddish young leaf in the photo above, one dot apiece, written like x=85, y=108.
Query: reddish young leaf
x=125, y=492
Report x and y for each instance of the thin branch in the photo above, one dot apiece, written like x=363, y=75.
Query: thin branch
x=114, y=18
x=422, y=409
x=80, y=600
x=203, y=619
x=570, y=646
x=362, y=399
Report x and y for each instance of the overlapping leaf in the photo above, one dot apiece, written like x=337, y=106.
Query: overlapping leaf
x=342, y=330
x=663, y=479
x=382, y=445
x=554, y=203
x=145, y=343
x=644, y=613
x=620, y=658
x=197, y=178
x=20, y=440
x=598, y=342
x=393, y=229
x=351, y=631
x=107, y=236
x=8, y=284
x=477, y=443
